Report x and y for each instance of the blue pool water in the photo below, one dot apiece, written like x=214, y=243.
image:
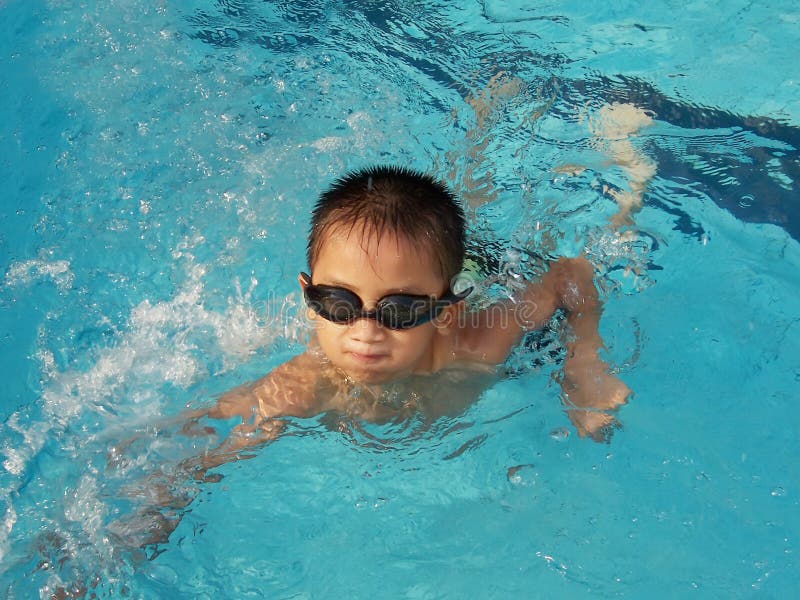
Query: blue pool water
x=159, y=162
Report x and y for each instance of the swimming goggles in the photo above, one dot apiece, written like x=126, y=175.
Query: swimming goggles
x=395, y=311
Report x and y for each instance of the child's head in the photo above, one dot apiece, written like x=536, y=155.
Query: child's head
x=380, y=200
x=384, y=242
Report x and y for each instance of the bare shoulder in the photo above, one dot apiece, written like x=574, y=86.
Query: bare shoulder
x=488, y=335
x=287, y=390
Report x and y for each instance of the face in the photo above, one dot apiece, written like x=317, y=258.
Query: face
x=372, y=268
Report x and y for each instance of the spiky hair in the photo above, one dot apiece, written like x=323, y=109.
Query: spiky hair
x=407, y=203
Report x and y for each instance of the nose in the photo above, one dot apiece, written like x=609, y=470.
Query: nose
x=367, y=330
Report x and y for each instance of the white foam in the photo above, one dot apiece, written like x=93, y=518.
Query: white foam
x=327, y=144
x=33, y=438
x=364, y=133
x=15, y=461
x=84, y=507
x=35, y=269
x=7, y=525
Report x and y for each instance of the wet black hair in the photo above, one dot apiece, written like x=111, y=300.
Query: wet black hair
x=407, y=203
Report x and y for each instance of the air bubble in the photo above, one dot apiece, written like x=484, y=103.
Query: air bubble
x=522, y=475
x=163, y=574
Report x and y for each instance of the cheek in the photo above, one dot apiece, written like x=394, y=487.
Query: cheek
x=415, y=341
x=324, y=328
x=326, y=333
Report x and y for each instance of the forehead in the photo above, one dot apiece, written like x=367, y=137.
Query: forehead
x=391, y=258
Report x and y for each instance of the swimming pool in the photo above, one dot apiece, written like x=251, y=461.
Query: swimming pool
x=160, y=161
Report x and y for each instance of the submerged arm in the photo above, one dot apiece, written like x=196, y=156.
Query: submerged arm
x=568, y=285
x=287, y=391
x=163, y=496
x=588, y=387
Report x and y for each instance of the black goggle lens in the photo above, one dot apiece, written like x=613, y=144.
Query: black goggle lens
x=397, y=311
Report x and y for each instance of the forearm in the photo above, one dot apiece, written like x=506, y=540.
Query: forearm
x=572, y=280
x=588, y=387
x=160, y=498
x=239, y=444
x=584, y=323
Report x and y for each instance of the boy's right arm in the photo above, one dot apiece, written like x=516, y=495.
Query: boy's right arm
x=286, y=391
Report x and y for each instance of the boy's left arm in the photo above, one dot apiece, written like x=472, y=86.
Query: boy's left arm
x=587, y=385
x=589, y=389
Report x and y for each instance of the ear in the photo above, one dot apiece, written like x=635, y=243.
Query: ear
x=304, y=281
x=448, y=319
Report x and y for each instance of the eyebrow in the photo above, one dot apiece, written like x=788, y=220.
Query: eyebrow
x=389, y=292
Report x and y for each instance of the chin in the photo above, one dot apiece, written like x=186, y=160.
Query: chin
x=367, y=376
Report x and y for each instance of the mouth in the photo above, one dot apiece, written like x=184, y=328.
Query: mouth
x=367, y=359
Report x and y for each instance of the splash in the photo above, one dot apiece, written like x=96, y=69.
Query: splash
x=165, y=348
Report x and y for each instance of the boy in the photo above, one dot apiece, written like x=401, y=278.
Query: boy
x=390, y=338
x=384, y=245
